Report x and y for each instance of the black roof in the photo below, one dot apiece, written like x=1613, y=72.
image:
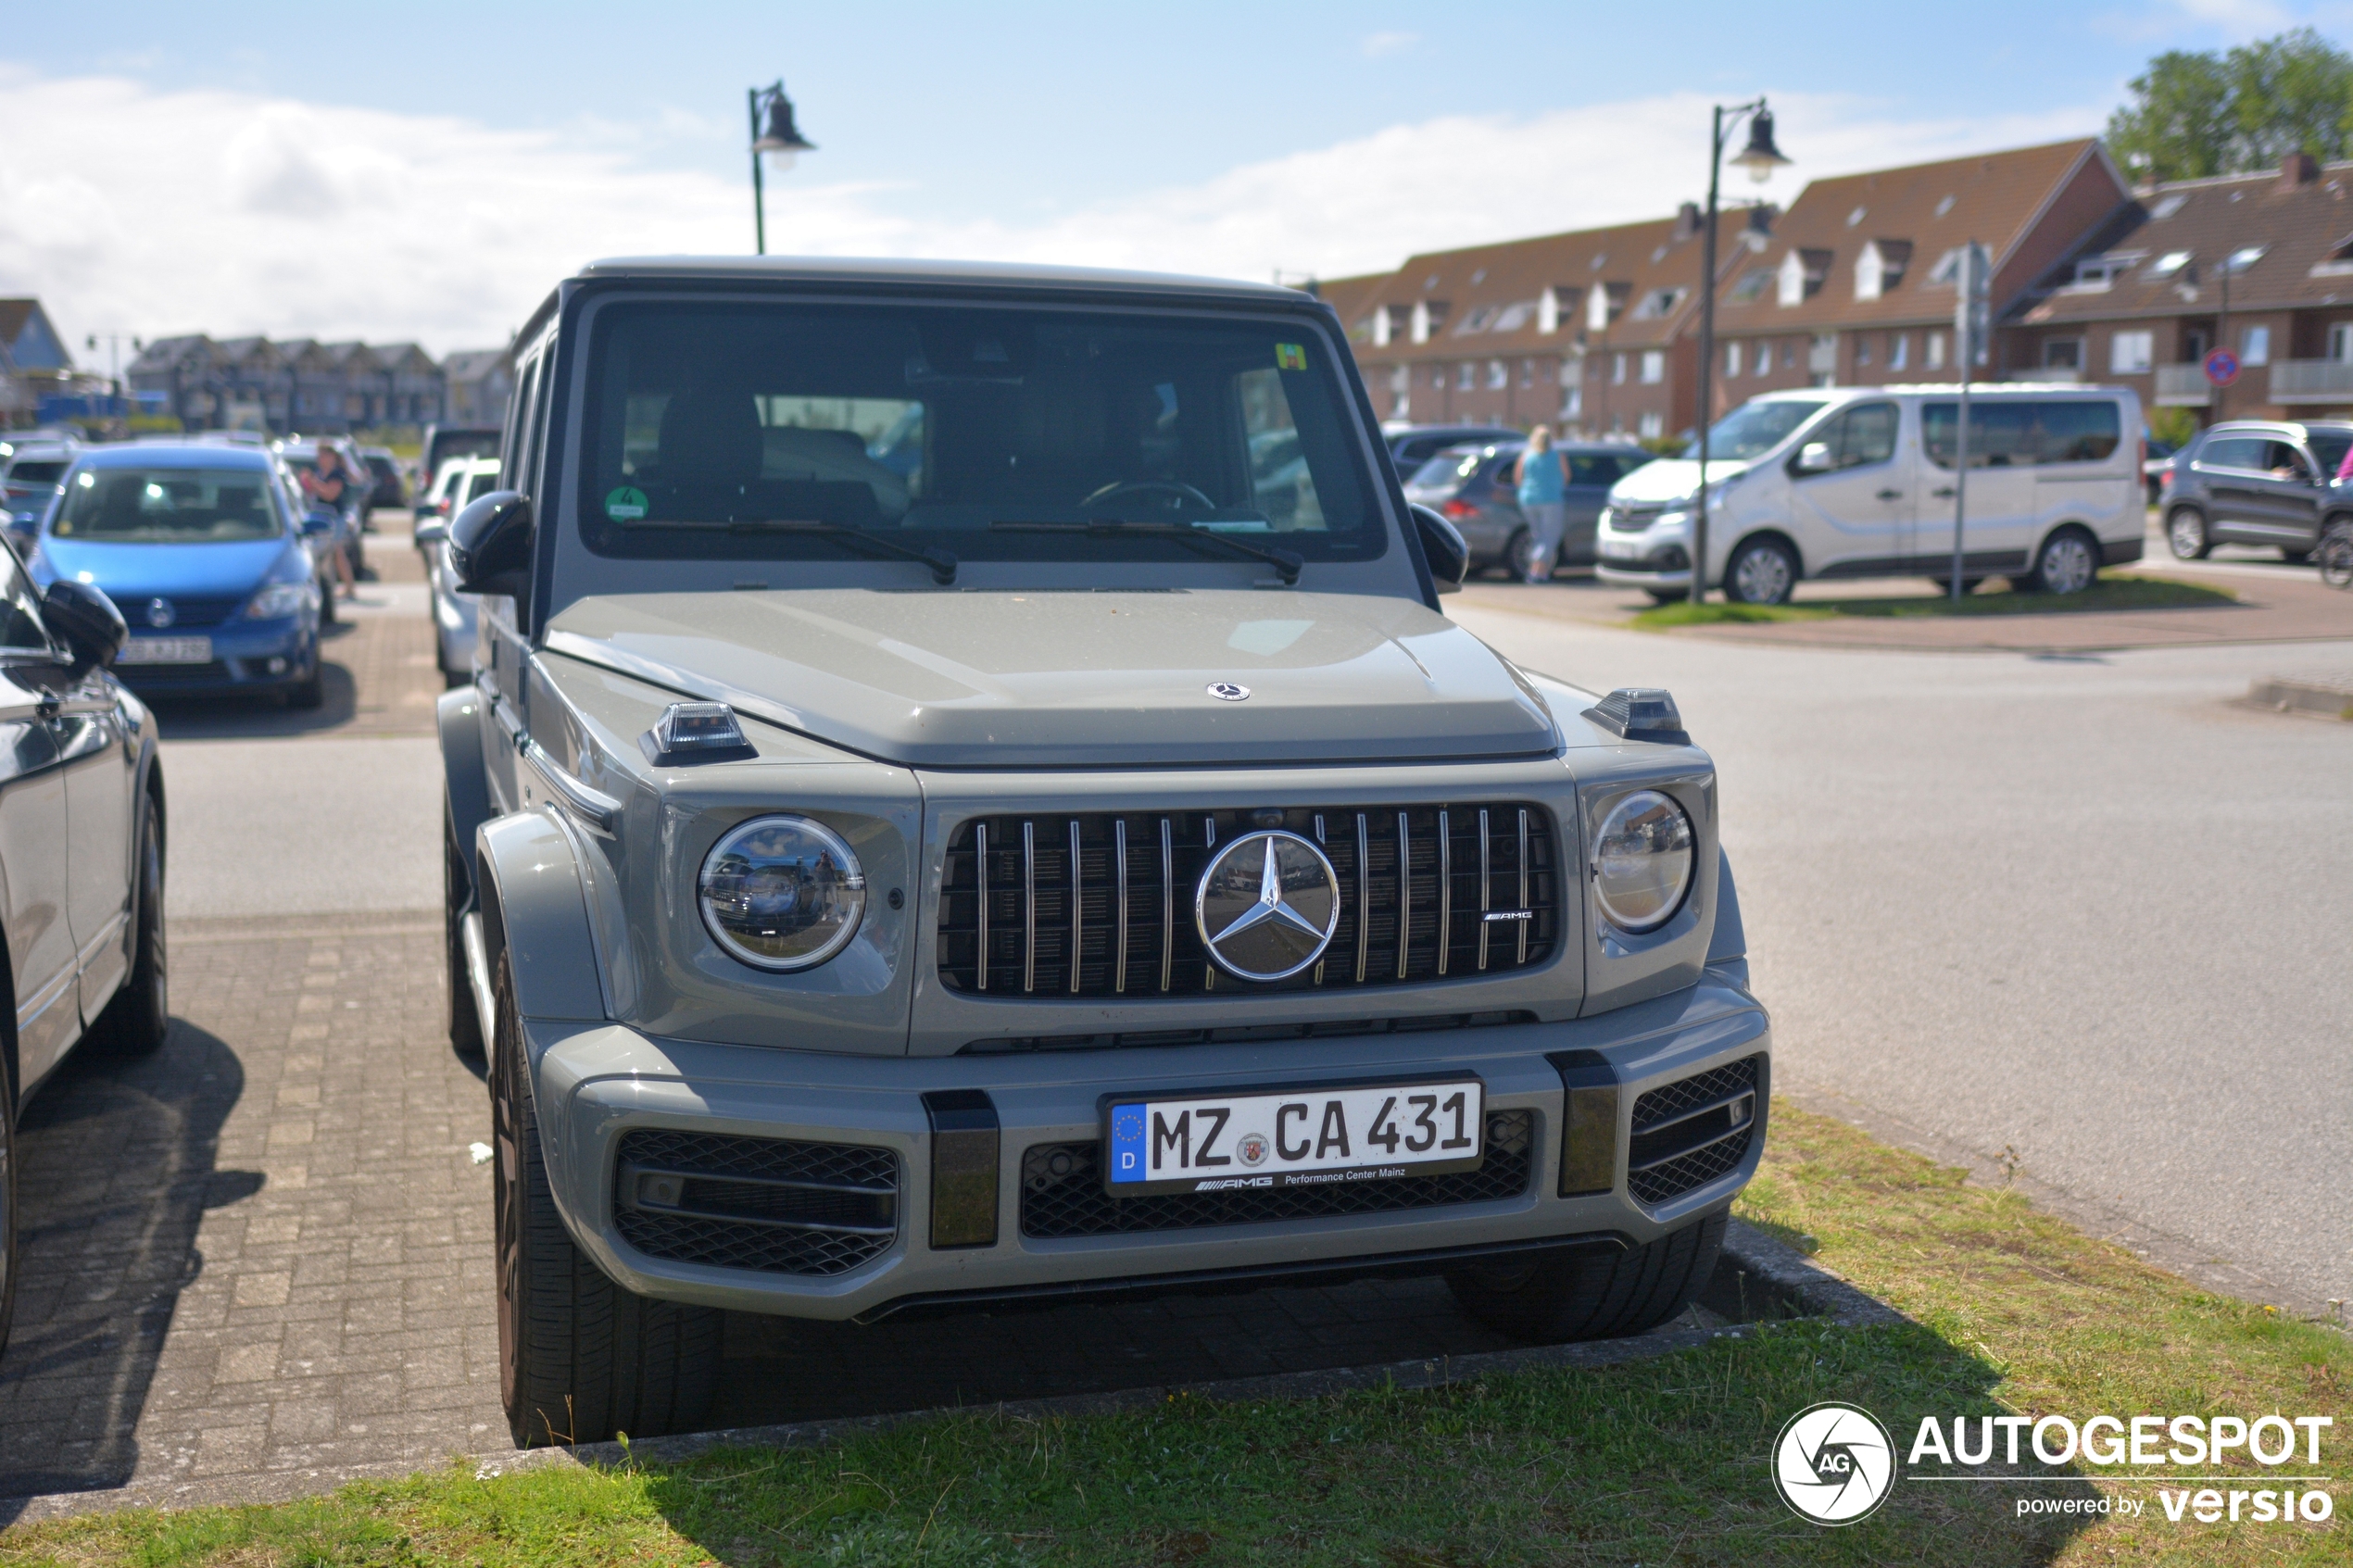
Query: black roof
x=965, y=275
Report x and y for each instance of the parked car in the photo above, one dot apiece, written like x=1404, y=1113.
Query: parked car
x=1860, y=482
x=1473, y=487
x=459, y=482
x=390, y=490
x=299, y=453
x=1410, y=446
x=1050, y=872
x=203, y=547
x=2155, y=458
x=2258, y=482
x=29, y=480
x=82, y=834
x=445, y=442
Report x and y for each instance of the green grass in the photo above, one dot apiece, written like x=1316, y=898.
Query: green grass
x=1653, y=1462
x=2109, y=592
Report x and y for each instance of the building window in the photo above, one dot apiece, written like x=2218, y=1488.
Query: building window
x=1528, y=372
x=1732, y=361
x=2063, y=354
x=1573, y=404
x=1654, y=425
x=2255, y=347
x=1382, y=326
x=1899, y=352
x=1498, y=374
x=2130, y=354
x=1936, y=351
x=1654, y=367
x=1862, y=351
x=1437, y=377
x=2340, y=342
x=1617, y=369
x=1466, y=376
x=1401, y=391
x=1789, y=354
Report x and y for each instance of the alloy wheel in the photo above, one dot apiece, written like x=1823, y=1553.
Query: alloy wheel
x=2068, y=565
x=2186, y=530
x=1761, y=576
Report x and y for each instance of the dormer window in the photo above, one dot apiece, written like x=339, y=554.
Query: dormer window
x=1428, y=316
x=1801, y=275
x=1550, y=308
x=1383, y=319
x=1658, y=305
x=1604, y=303
x=1477, y=321
x=1880, y=266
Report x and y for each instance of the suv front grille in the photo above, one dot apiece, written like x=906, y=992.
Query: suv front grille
x=771, y=1204
x=1114, y=892
x=1061, y=1190
x=1689, y=1132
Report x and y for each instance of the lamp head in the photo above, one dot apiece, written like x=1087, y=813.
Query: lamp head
x=782, y=140
x=1760, y=157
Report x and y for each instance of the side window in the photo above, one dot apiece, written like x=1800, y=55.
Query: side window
x=21, y=630
x=2079, y=432
x=2232, y=452
x=2286, y=460
x=1868, y=435
x=1592, y=470
x=519, y=420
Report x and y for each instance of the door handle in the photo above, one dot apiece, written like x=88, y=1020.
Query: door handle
x=46, y=704
x=1943, y=494
x=1891, y=495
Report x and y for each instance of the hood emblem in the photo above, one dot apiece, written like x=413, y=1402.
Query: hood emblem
x=1226, y=691
x=1268, y=906
x=160, y=614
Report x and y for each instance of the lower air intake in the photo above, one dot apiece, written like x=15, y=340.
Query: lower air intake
x=774, y=1204
x=1689, y=1132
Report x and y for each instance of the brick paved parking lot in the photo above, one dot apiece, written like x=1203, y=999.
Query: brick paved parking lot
x=266, y=1249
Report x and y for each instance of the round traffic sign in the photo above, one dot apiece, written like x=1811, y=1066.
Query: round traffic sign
x=2221, y=366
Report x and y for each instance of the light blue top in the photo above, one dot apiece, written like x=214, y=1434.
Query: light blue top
x=1542, y=481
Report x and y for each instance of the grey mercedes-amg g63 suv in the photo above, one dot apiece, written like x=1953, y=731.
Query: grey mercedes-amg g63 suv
x=966, y=794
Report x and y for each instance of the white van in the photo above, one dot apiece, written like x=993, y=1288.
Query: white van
x=1858, y=482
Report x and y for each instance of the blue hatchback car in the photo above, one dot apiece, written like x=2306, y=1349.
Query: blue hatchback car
x=205, y=553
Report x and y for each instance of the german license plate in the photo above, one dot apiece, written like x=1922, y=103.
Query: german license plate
x=1619, y=550
x=1297, y=1137
x=165, y=650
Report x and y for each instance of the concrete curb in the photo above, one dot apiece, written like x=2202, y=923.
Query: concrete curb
x=2285, y=694
x=1756, y=1278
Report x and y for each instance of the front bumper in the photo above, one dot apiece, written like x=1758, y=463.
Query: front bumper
x=594, y=1084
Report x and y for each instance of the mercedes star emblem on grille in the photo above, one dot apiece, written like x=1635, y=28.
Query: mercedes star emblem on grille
x=160, y=613
x=1226, y=691
x=1268, y=906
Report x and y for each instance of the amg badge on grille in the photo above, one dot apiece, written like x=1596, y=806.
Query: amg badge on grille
x=1268, y=906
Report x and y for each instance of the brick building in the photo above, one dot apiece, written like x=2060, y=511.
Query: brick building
x=2141, y=303
x=283, y=387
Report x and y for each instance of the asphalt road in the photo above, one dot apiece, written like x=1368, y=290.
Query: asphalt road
x=2082, y=909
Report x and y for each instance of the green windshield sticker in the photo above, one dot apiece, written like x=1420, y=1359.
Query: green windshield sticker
x=625, y=504
x=1290, y=356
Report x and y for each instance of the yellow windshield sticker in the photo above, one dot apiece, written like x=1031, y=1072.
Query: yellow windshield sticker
x=1290, y=356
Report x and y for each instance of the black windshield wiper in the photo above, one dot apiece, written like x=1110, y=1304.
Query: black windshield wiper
x=1283, y=561
x=943, y=565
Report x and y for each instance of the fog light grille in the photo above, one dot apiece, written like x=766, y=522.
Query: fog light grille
x=776, y=1205
x=1689, y=1133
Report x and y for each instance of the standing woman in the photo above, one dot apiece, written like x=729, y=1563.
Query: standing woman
x=1543, y=500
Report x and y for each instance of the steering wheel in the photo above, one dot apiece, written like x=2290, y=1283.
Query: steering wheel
x=1118, y=488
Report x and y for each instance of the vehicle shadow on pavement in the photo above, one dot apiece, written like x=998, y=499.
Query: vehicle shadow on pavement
x=237, y=716
x=117, y=1167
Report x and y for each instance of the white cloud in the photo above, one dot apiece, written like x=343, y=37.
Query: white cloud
x=1379, y=44
x=227, y=212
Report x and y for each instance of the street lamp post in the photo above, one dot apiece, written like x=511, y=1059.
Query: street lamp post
x=1760, y=157
x=779, y=140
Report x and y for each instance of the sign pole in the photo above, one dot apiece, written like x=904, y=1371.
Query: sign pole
x=1968, y=324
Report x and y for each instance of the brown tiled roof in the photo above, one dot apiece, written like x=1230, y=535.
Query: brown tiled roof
x=2305, y=232
x=1927, y=209
x=1491, y=292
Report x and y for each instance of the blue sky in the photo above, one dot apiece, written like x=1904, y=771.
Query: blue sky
x=313, y=153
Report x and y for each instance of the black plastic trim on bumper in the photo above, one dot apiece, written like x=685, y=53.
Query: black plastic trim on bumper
x=1389, y=1265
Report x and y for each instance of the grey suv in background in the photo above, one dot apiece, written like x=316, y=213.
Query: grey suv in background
x=2256, y=482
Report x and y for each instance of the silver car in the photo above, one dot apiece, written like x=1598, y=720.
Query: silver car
x=459, y=481
x=1074, y=858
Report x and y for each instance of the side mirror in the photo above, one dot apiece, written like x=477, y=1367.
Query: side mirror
x=1442, y=545
x=1815, y=458
x=81, y=615
x=490, y=543
x=432, y=530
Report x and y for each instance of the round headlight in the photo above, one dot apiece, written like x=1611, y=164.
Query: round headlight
x=782, y=892
x=1643, y=860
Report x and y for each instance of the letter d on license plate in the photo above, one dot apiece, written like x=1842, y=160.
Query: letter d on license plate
x=1295, y=1137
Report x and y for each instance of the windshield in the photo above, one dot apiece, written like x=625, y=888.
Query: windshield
x=763, y=433
x=1753, y=429
x=2328, y=449
x=1446, y=468
x=35, y=472
x=167, y=507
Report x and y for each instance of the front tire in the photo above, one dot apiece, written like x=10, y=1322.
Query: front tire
x=1668, y=595
x=1762, y=571
x=1563, y=1298
x=136, y=1022
x=580, y=1359
x=7, y=1206
x=2185, y=534
x=2067, y=563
